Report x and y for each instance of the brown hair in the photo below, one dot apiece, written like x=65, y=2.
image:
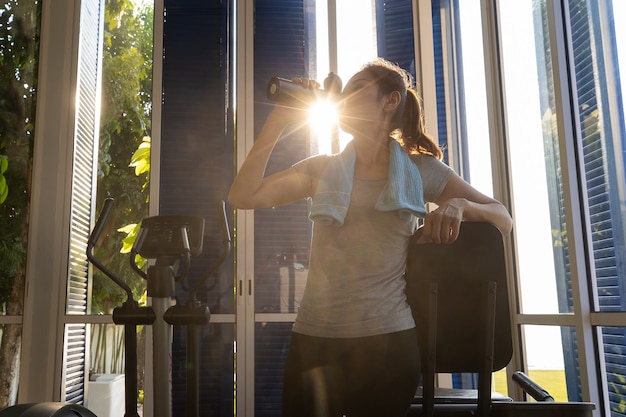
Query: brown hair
x=408, y=123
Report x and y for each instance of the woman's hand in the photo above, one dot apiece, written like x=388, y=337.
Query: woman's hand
x=306, y=83
x=442, y=225
x=287, y=114
x=458, y=202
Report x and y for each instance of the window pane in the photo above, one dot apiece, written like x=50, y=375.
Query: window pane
x=546, y=360
x=355, y=26
x=281, y=235
x=475, y=164
x=125, y=129
x=544, y=270
x=10, y=335
x=533, y=141
x=282, y=47
x=105, y=392
x=216, y=389
x=271, y=342
x=19, y=49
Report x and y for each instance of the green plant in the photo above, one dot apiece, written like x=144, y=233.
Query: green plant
x=141, y=162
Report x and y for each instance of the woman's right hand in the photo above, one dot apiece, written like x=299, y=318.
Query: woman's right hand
x=286, y=114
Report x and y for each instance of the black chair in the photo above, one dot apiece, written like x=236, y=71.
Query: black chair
x=459, y=297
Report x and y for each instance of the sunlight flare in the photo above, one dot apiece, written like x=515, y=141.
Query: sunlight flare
x=323, y=120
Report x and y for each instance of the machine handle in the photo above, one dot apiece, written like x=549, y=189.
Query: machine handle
x=91, y=242
x=226, y=243
x=97, y=230
x=224, y=230
x=531, y=387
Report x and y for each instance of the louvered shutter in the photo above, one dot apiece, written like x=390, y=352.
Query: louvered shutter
x=601, y=180
x=196, y=165
x=394, y=29
x=75, y=355
x=602, y=183
x=283, y=36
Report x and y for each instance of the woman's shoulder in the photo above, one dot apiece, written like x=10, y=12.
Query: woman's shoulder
x=427, y=160
x=431, y=167
x=435, y=175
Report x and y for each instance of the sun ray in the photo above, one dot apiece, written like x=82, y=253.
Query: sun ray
x=323, y=120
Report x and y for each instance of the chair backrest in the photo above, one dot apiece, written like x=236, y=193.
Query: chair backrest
x=462, y=272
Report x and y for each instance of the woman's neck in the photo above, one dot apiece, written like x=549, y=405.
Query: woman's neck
x=372, y=158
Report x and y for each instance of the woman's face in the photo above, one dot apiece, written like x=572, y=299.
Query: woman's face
x=361, y=105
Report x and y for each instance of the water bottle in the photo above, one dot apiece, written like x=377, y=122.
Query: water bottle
x=286, y=92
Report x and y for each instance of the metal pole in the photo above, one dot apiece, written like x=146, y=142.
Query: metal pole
x=130, y=400
x=162, y=359
x=193, y=374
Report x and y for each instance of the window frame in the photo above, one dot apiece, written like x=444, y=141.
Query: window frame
x=45, y=317
x=583, y=319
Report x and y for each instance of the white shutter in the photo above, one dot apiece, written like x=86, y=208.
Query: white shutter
x=75, y=352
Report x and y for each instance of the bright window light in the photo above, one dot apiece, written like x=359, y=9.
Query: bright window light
x=360, y=31
x=323, y=122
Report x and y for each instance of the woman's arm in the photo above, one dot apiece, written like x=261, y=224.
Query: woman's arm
x=250, y=188
x=460, y=201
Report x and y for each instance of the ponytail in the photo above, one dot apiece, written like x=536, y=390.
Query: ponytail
x=412, y=133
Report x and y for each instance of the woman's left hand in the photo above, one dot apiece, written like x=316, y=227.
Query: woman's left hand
x=442, y=225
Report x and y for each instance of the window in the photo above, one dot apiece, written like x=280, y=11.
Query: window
x=569, y=215
x=59, y=298
x=56, y=301
x=533, y=141
x=281, y=235
x=122, y=172
x=195, y=164
x=546, y=101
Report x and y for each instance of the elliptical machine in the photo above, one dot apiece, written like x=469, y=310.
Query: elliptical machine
x=171, y=240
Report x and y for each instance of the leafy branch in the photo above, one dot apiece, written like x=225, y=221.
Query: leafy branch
x=141, y=162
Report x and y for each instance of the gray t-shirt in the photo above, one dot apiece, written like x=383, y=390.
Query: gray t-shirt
x=355, y=284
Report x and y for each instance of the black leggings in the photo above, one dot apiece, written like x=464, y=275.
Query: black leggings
x=355, y=377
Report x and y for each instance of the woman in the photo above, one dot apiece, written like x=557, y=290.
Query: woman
x=353, y=350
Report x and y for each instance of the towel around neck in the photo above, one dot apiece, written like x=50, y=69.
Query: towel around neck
x=402, y=192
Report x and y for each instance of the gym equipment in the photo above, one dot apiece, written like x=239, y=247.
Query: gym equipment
x=130, y=314
x=170, y=240
x=47, y=409
x=459, y=298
